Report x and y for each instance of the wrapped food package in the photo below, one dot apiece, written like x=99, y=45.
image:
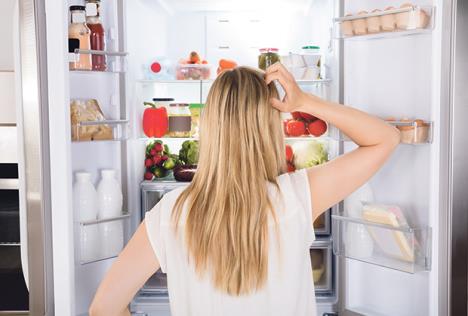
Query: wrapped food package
x=88, y=111
x=388, y=20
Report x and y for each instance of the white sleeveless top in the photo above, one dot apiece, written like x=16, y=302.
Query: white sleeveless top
x=289, y=289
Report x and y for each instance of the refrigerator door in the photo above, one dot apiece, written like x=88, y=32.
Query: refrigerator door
x=454, y=248
x=33, y=151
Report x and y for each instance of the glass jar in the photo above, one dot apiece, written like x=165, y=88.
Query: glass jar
x=267, y=57
x=313, y=59
x=93, y=21
x=195, y=111
x=180, y=120
x=80, y=33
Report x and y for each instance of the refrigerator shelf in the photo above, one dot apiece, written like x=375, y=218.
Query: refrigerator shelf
x=401, y=248
x=208, y=81
x=405, y=21
x=105, y=130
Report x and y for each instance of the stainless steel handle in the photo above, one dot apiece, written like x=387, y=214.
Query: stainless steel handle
x=9, y=184
x=33, y=126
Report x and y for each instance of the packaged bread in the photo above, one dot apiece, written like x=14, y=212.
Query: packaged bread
x=360, y=25
x=409, y=20
x=88, y=111
x=373, y=22
x=388, y=20
x=347, y=27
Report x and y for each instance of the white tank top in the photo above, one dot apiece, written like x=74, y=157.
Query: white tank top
x=289, y=289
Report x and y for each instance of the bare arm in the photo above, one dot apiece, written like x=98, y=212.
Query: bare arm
x=333, y=181
x=135, y=264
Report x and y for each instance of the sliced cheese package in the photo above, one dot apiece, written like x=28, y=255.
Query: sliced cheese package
x=394, y=243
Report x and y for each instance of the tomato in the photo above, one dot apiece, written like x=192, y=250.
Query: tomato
x=291, y=167
x=308, y=117
x=285, y=124
x=296, y=115
x=317, y=128
x=289, y=153
x=295, y=128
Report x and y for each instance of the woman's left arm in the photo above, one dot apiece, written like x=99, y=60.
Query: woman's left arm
x=135, y=264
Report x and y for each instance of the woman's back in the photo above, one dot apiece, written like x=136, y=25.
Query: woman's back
x=289, y=288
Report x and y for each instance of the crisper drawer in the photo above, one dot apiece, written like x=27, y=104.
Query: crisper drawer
x=322, y=266
x=153, y=191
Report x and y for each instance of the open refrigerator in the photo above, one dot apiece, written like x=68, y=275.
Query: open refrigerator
x=388, y=74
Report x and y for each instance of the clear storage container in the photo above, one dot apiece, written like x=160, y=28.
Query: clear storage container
x=193, y=71
x=322, y=266
x=180, y=120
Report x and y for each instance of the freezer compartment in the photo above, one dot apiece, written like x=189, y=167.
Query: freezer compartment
x=398, y=247
x=405, y=20
x=102, y=239
x=108, y=61
x=322, y=266
x=100, y=130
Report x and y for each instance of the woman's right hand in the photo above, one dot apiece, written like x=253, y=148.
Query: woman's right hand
x=295, y=98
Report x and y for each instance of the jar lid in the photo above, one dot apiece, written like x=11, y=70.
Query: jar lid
x=77, y=8
x=310, y=47
x=163, y=99
x=196, y=105
x=268, y=50
x=179, y=104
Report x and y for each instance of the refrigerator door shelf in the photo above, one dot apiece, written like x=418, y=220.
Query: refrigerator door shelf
x=102, y=239
x=106, y=130
x=382, y=24
x=322, y=266
x=402, y=248
x=115, y=61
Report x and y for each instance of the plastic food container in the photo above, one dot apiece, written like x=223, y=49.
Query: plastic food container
x=312, y=56
x=195, y=111
x=193, y=72
x=320, y=257
x=293, y=60
x=416, y=133
x=267, y=57
x=180, y=120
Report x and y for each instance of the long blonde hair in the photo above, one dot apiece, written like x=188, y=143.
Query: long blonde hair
x=227, y=203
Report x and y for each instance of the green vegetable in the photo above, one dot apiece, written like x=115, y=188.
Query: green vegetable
x=309, y=154
x=169, y=164
x=189, y=152
x=159, y=172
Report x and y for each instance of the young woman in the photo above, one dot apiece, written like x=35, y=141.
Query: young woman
x=236, y=240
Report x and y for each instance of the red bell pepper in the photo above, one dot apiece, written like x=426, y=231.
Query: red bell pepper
x=155, y=121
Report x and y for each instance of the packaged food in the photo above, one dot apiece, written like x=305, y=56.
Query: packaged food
x=193, y=72
x=318, y=264
x=180, y=120
x=97, y=35
x=360, y=25
x=347, y=27
x=415, y=18
x=195, y=111
x=88, y=111
x=267, y=57
x=388, y=20
x=373, y=22
x=416, y=133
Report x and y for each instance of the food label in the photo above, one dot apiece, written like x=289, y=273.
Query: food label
x=180, y=123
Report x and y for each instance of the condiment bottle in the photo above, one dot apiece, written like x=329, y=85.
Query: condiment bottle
x=79, y=31
x=97, y=38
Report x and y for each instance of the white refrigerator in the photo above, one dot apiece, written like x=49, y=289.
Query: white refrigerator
x=403, y=73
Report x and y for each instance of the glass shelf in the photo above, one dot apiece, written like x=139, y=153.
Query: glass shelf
x=402, y=248
x=101, y=239
x=105, y=130
x=379, y=24
x=207, y=81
